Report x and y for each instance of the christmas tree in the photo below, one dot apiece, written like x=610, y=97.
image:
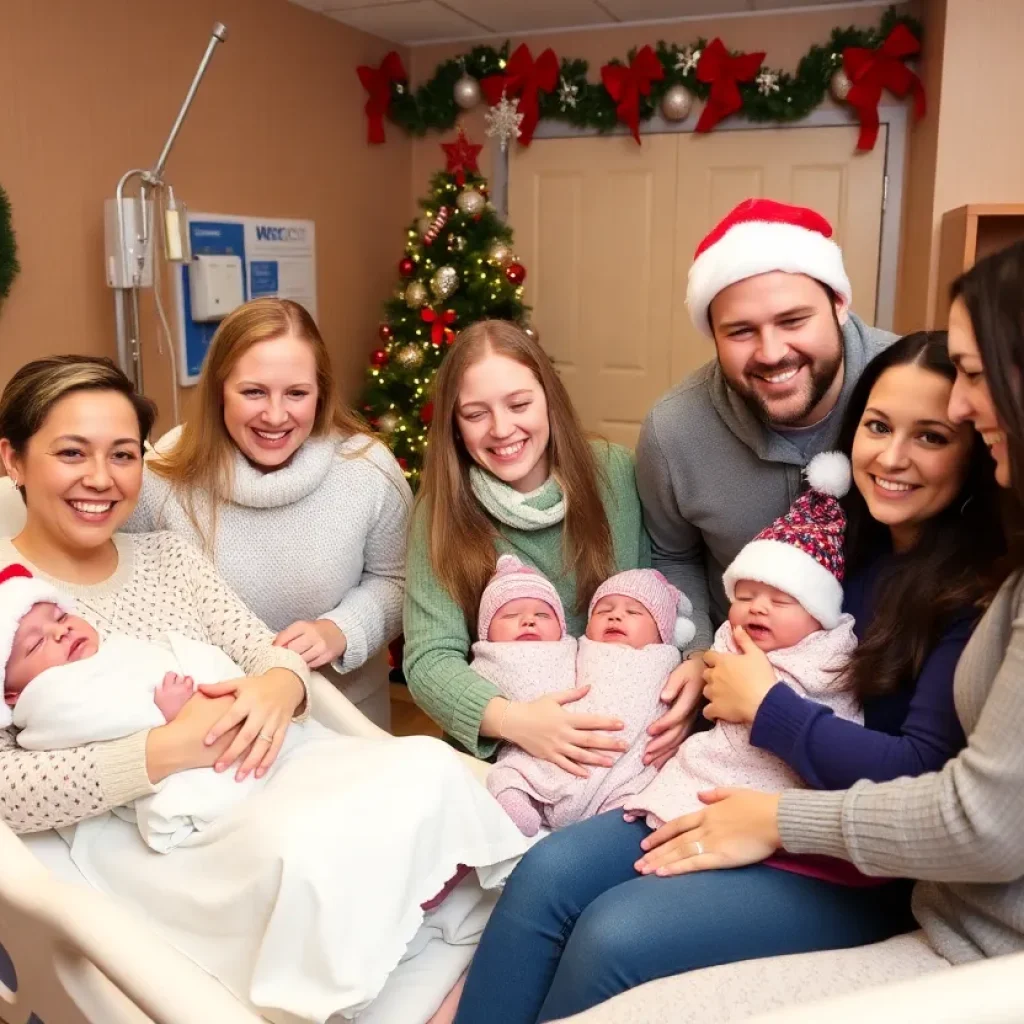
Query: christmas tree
x=458, y=268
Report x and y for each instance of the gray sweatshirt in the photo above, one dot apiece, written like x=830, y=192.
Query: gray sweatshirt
x=959, y=830
x=711, y=475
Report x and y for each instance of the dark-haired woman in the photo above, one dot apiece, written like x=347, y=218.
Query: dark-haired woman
x=956, y=830
x=924, y=539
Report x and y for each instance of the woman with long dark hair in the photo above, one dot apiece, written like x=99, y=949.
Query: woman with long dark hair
x=577, y=921
x=956, y=830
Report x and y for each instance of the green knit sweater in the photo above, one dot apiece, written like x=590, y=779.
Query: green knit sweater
x=437, y=640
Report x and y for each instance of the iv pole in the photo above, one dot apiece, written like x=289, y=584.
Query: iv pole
x=132, y=251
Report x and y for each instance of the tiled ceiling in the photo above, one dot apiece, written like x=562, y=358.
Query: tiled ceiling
x=431, y=21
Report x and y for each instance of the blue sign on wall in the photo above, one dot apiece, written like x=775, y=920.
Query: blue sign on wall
x=262, y=278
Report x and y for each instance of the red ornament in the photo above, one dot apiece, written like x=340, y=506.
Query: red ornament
x=379, y=358
x=723, y=72
x=524, y=77
x=627, y=85
x=427, y=413
x=384, y=332
x=406, y=267
x=461, y=156
x=871, y=71
x=516, y=273
x=377, y=83
x=403, y=463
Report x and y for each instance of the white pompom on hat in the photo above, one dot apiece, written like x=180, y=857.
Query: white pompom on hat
x=757, y=237
x=669, y=607
x=19, y=592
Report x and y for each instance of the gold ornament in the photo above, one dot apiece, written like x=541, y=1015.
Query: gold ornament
x=444, y=283
x=467, y=92
x=676, y=103
x=499, y=254
x=840, y=85
x=415, y=295
x=470, y=202
x=409, y=356
x=387, y=422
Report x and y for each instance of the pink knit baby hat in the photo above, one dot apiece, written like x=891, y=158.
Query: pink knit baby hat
x=512, y=580
x=670, y=608
x=801, y=553
x=19, y=591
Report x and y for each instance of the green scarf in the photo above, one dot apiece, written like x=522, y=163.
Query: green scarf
x=537, y=510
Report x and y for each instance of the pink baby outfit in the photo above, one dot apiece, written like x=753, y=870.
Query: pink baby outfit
x=723, y=756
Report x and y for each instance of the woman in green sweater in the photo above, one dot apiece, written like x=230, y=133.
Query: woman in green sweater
x=509, y=469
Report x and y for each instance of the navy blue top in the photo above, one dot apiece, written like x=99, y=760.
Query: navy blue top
x=910, y=732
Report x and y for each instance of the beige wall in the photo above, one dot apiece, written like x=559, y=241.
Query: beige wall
x=89, y=90
x=970, y=149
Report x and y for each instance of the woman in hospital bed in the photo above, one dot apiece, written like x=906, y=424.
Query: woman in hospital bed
x=305, y=899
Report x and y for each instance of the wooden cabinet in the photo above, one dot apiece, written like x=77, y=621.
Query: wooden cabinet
x=969, y=233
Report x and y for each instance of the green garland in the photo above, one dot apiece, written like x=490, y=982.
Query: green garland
x=9, y=266
x=432, y=106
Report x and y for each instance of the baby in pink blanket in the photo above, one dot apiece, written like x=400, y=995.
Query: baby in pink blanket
x=637, y=622
x=785, y=589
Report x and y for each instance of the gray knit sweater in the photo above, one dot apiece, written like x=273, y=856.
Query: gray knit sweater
x=321, y=538
x=959, y=830
x=711, y=475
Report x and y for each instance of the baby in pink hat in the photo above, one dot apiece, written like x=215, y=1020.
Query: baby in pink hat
x=785, y=589
x=637, y=622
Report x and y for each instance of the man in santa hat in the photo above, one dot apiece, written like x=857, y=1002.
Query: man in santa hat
x=722, y=455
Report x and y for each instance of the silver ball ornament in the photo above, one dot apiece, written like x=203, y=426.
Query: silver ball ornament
x=499, y=253
x=457, y=243
x=387, y=422
x=415, y=295
x=840, y=85
x=676, y=103
x=409, y=356
x=444, y=283
x=470, y=202
x=467, y=92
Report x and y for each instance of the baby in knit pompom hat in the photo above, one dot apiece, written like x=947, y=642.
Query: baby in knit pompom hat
x=785, y=589
x=637, y=622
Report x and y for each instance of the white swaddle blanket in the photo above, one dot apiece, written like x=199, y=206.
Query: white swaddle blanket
x=625, y=683
x=110, y=695
x=723, y=756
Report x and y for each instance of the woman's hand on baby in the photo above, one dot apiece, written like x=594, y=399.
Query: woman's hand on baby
x=181, y=744
x=682, y=691
x=738, y=827
x=545, y=729
x=173, y=693
x=317, y=643
x=263, y=708
x=736, y=684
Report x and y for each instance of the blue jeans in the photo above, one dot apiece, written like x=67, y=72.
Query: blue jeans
x=577, y=925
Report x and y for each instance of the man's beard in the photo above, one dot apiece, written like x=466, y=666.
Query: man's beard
x=822, y=376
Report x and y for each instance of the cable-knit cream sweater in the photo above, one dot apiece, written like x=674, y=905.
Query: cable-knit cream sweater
x=162, y=583
x=320, y=538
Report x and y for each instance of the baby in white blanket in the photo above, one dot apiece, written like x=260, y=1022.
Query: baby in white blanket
x=637, y=621
x=64, y=688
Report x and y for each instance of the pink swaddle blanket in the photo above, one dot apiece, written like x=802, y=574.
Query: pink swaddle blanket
x=624, y=683
x=723, y=756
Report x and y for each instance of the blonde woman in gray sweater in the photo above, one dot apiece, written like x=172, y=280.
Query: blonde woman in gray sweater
x=957, y=831
x=303, y=514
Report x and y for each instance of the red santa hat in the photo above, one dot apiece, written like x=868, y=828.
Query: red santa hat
x=19, y=591
x=801, y=553
x=758, y=237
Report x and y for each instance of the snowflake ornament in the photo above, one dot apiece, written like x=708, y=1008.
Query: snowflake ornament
x=503, y=121
x=767, y=83
x=567, y=94
x=687, y=60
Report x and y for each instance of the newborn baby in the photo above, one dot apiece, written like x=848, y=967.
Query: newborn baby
x=785, y=592
x=637, y=619
x=63, y=687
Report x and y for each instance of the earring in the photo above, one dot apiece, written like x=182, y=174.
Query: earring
x=963, y=507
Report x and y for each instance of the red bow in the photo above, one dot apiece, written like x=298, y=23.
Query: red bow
x=871, y=71
x=461, y=156
x=627, y=85
x=524, y=77
x=723, y=73
x=14, y=571
x=440, y=329
x=377, y=82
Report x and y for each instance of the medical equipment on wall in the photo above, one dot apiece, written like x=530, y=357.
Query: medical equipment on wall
x=129, y=236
